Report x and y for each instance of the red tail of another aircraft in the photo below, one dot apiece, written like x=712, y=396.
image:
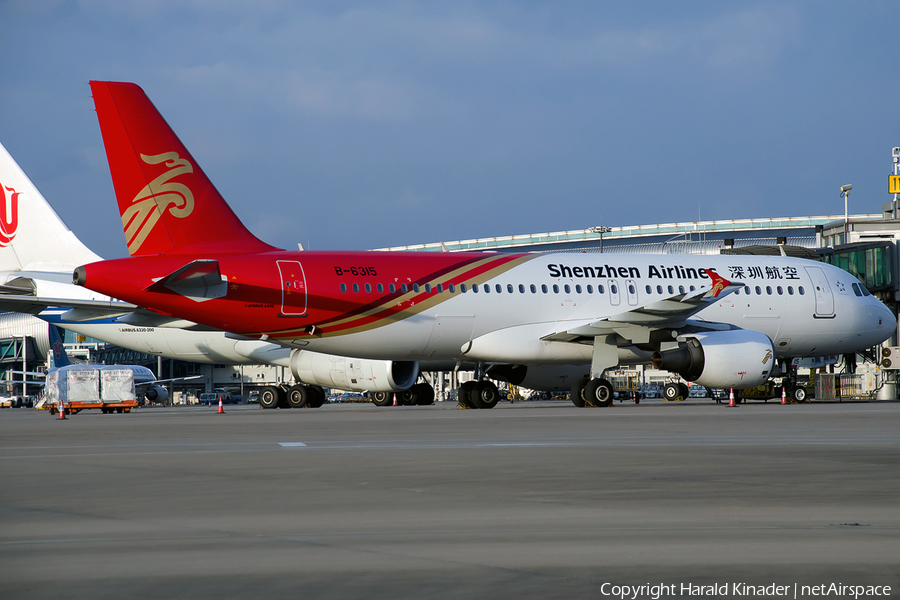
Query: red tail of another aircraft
x=167, y=203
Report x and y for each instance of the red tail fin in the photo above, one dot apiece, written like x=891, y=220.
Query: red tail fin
x=167, y=203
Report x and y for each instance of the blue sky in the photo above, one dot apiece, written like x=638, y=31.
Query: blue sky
x=351, y=125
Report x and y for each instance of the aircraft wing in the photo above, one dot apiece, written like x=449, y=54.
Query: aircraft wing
x=81, y=310
x=90, y=310
x=639, y=322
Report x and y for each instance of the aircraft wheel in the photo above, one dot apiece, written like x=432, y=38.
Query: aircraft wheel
x=424, y=394
x=672, y=391
x=685, y=391
x=268, y=397
x=798, y=394
x=317, y=397
x=298, y=396
x=465, y=394
x=485, y=395
x=407, y=397
x=598, y=392
x=577, y=393
x=383, y=398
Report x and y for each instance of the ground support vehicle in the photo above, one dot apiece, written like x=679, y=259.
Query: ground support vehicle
x=795, y=393
x=73, y=407
x=626, y=385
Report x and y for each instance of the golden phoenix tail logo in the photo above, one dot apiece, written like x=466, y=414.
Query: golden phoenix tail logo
x=158, y=196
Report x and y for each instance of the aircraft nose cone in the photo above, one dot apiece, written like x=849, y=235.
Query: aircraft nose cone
x=889, y=321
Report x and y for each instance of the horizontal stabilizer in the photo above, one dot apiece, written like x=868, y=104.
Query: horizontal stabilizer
x=199, y=280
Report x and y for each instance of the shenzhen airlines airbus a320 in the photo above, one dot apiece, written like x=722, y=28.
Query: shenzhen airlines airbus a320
x=721, y=321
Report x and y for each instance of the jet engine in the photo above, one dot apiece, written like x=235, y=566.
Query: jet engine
x=353, y=374
x=740, y=358
x=545, y=378
x=157, y=393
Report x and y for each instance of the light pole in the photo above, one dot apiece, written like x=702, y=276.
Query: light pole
x=601, y=230
x=845, y=194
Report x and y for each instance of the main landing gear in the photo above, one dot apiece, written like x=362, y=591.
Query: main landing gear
x=592, y=392
x=421, y=394
x=295, y=396
x=478, y=394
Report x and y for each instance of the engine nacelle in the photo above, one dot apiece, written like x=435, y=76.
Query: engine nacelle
x=353, y=374
x=544, y=378
x=157, y=393
x=740, y=358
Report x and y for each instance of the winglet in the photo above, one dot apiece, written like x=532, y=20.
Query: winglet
x=719, y=283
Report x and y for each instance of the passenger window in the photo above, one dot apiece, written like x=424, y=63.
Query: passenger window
x=544, y=287
x=533, y=289
x=474, y=288
x=392, y=288
x=567, y=288
x=631, y=289
x=599, y=289
x=577, y=289
x=462, y=288
x=403, y=288
x=344, y=287
x=692, y=288
x=769, y=290
x=680, y=289
x=440, y=288
x=498, y=288
x=380, y=288
x=416, y=288
x=659, y=289
x=356, y=287
x=800, y=290
x=521, y=289
x=613, y=289
x=555, y=289
x=368, y=288
x=590, y=290
x=509, y=288
x=451, y=288
x=780, y=290
x=790, y=290
x=758, y=291
x=427, y=288
x=487, y=288
x=671, y=290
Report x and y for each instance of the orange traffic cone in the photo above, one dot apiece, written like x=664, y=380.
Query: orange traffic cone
x=221, y=410
x=395, y=398
x=783, y=396
x=62, y=411
x=731, y=398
